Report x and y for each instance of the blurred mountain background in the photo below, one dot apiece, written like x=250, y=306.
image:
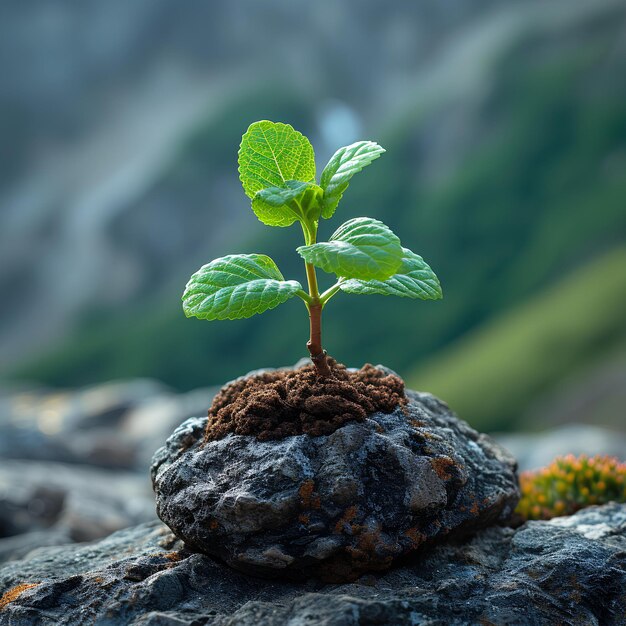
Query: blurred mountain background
x=505, y=130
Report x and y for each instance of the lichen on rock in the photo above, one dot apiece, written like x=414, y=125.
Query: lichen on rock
x=334, y=505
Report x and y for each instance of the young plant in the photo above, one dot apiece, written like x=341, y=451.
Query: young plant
x=277, y=170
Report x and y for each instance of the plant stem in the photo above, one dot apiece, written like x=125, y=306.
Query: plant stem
x=315, y=306
x=304, y=295
x=311, y=278
x=314, y=344
x=330, y=292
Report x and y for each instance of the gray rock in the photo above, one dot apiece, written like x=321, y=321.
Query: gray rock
x=81, y=426
x=569, y=571
x=336, y=505
x=18, y=546
x=151, y=421
x=45, y=503
x=111, y=425
x=534, y=450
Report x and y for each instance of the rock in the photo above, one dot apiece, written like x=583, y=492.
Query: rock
x=67, y=459
x=336, y=505
x=111, y=425
x=18, y=546
x=72, y=427
x=45, y=503
x=569, y=570
x=150, y=422
x=534, y=450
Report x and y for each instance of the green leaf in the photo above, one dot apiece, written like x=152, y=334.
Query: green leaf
x=415, y=279
x=361, y=248
x=343, y=165
x=272, y=153
x=282, y=206
x=236, y=286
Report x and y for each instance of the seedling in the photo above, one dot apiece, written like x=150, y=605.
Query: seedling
x=277, y=170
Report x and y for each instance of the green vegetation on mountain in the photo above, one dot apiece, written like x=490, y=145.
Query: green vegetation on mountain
x=537, y=196
x=524, y=352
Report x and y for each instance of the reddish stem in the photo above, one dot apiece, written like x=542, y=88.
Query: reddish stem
x=318, y=354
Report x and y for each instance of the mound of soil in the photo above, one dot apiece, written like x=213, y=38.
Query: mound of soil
x=278, y=404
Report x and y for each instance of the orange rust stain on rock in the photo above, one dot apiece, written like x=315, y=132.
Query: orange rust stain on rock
x=213, y=524
x=362, y=558
x=443, y=467
x=355, y=553
x=370, y=542
x=487, y=502
x=308, y=498
x=306, y=491
x=304, y=519
x=379, y=428
x=173, y=556
x=14, y=593
x=416, y=537
x=348, y=515
x=416, y=423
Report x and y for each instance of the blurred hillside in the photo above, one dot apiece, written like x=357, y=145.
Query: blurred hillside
x=505, y=130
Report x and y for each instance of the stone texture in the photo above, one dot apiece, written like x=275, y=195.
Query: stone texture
x=534, y=450
x=569, y=571
x=46, y=503
x=110, y=425
x=336, y=505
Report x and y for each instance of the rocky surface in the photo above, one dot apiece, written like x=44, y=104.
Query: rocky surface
x=51, y=503
x=534, y=450
x=336, y=505
x=74, y=464
x=569, y=571
x=115, y=425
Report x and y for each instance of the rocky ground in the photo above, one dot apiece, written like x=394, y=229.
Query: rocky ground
x=566, y=571
x=74, y=468
x=74, y=465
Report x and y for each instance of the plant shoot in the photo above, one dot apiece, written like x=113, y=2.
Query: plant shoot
x=277, y=171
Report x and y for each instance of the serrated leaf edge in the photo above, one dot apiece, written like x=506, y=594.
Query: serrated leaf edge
x=239, y=168
x=433, y=293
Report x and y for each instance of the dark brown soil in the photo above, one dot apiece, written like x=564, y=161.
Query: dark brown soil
x=278, y=404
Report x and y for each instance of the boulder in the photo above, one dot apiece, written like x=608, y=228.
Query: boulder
x=333, y=506
x=570, y=570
